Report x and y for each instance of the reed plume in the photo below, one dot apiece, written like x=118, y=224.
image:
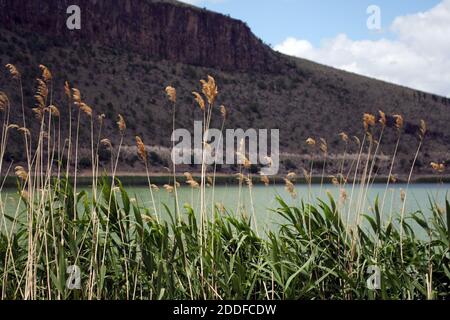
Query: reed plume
x=438, y=167
x=4, y=101
x=343, y=136
x=76, y=94
x=142, y=153
x=199, y=100
x=121, y=124
x=13, y=71
x=223, y=111
x=171, y=94
x=422, y=129
x=383, y=119
x=310, y=142
x=209, y=89
x=265, y=180
x=85, y=109
x=398, y=121
x=368, y=121
x=21, y=173
x=46, y=74
x=168, y=188
x=290, y=188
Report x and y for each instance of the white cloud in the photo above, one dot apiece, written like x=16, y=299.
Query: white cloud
x=419, y=57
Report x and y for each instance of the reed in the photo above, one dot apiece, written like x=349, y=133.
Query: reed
x=126, y=249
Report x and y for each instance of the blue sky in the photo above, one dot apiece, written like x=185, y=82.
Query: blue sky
x=410, y=49
x=275, y=20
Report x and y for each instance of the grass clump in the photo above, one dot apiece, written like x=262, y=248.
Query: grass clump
x=124, y=249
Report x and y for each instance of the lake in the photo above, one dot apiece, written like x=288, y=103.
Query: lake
x=263, y=199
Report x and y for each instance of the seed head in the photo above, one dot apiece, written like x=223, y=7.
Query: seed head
x=291, y=175
x=209, y=89
x=25, y=131
x=398, y=121
x=25, y=195
x=265, y=180
x=42, y=89
x=13, y=126
x=343, y=195
x=76, y=95
x=289, y=186
x=343, y=136
x=438, y=167
x=310, y=142
x=85, y=108
x=21, y=173
x=402, y=195
x=369, y=121
x=423, y=129
x=46, y=74
x=382, y=120
x=40, y=101
x=106, y=142
x=171, y=94
x=307, y=176
x=192, y=183
x=199, y=99
x=142, y=153
x=121, y=124
x=223, y=111
x=334, y=180
x=13, y=71
x=101, y=118
x=54, y=111
x=168, y=188
x=67, y=90
x=323, y=145
x=4, y=101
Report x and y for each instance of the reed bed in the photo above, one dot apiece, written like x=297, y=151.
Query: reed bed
x=123, y=249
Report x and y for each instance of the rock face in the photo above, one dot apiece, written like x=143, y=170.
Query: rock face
x=161, y=29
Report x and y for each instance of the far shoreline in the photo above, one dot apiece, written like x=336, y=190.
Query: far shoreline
x=138, y=180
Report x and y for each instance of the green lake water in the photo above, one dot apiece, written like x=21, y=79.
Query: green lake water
x=261, y=200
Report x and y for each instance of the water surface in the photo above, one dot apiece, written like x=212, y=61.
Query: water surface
x=260, y=201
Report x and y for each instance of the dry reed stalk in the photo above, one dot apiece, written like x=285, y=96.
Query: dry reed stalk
x=311, y=142
x=142, y=154
x=422, y=133
x=223, y=112
x=398, y=125
x=121, y=125
x=172, y=96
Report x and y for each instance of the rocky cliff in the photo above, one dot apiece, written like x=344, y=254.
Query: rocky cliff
x=160, y=29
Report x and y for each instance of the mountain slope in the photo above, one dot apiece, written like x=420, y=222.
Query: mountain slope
x=128, y=51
